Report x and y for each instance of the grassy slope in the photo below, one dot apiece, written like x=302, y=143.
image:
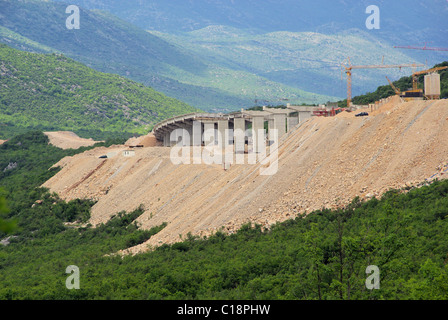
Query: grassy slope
x=53, y=92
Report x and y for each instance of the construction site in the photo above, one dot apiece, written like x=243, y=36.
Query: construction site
x=326, y=157
x=325, y=160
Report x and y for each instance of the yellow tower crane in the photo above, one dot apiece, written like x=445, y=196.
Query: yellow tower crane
x=348, y=70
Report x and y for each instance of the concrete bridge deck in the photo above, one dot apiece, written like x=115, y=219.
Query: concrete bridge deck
x=195, y=124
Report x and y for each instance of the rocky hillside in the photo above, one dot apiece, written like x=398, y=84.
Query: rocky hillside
x=324, y=162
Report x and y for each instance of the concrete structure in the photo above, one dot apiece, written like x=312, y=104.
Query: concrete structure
x=432, y=86
x=129, y=153
x=304, y=112
x=217, y=128
x=239, y=127
x=277, y=120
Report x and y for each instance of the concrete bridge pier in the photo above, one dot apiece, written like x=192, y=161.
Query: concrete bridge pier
x=292, y=120
x=168, y=130
x=209, y=132
x=197, y=133
x=258, y=134
x=279, y=123
x=208, y=128
x=239, y=134
x=166, y=139
x=304, y=115
x=277, y=119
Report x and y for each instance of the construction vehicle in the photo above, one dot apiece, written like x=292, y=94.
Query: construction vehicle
x=397, y=91
x=348, y=70
x=408, y=95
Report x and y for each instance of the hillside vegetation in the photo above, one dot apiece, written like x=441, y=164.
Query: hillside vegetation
x=108, y=44
x=329, y=20
x=53, y=92
x=320, y=256
x=306, y=60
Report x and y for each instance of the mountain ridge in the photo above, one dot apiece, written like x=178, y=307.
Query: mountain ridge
x=112, y=45
x=306, y=60
x=411, y=22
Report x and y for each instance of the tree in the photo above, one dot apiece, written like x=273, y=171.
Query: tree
x=5, y=226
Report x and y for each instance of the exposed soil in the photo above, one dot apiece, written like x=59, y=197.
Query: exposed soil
x=68, y=140
x=148, y=140
x=324, y=162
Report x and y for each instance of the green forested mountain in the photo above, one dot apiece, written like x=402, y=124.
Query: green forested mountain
x=323, y=255
x=415, y=20
x=306, y=60
x=103, y=41
x=111, y=45
x=254, y=32
x=53, y=92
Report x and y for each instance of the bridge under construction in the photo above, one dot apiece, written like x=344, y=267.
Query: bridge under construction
x=195, y=124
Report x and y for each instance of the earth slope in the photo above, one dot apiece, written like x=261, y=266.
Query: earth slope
x=68, y=140
x=324, y=162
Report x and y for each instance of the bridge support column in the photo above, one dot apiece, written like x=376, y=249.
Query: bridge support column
x=172, y=141
x=239, y=134
x=197, y=133
x=304, y=115
x=223, y=142
x=258, y=134
x=292, y=121
x=223, y=136
x=279, y=124
x=186, y=134
x=209, y=132
x=166, y=139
